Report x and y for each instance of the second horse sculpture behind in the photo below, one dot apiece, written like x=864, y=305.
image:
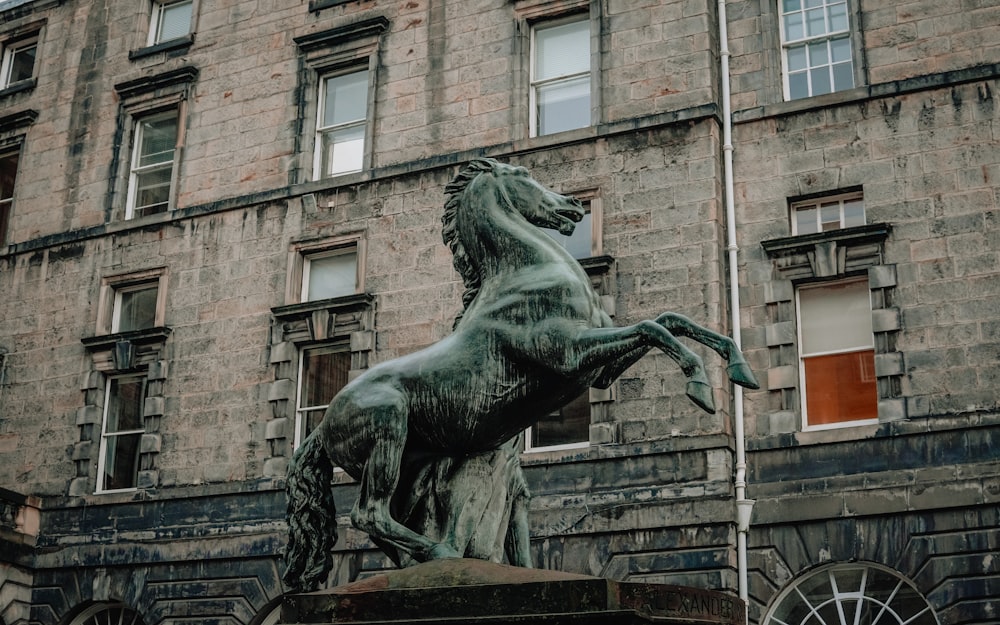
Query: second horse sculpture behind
x=532, y=337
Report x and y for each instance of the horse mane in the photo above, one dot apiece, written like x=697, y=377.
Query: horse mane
x=449, y=231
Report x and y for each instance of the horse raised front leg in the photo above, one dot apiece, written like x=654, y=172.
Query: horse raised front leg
x=371, y=514
x=616, y=349
x=736, y=365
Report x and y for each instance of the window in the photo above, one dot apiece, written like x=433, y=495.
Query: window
x=560, y=76
x=585, y=242
x=8, y=175
x=322, y=373
x=151, y=173
x=18, y=61
x=330, y=274
x=851, y=594
x=134, y=308
x=837, y=354
x=340, y=129
x=567, y=428
x=828, y=213
x=170, y=20
x=122, y=432
x=816, y=47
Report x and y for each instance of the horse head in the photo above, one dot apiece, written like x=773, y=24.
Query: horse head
x=539, y=205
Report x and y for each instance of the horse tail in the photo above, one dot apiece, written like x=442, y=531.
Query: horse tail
x=311, y=516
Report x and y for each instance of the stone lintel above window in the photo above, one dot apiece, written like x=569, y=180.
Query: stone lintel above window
x=323, y=319
x=126, y=351
x=364, y=29
x=823, y=255
x=17, y=120
x=154, y=85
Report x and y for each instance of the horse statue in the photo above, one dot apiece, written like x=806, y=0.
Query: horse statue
x=532, y=337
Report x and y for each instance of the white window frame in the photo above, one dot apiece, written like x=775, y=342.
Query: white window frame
x=110, y=298
x=307, y=260
x=530, y=449
x=534, y=85
x=10, y=50
x=105, y=435
x=116, y=310
x=297, y=278
x=156, y=20
x=842, y=199
x=363, y=122
x=806, y=426
x=7, y=203
x=806, y=39
x=135, y=169
x=300, y=410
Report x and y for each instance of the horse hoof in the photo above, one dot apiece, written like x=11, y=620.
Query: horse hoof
x=740, y=373
x=441, y=551
x=701, y=394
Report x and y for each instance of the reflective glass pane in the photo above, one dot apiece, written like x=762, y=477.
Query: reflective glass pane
x=815, y=22
x=791, y=5
x=345, y=99
x=580, y=243
x=793, y=27
x=324, y=373
x=121, y=461
x=843, y=76
x=811, y=4
x=805, y=220
x=570, y=425
x=152, y=192
x=157, y=140
x=332, y=276
x=562, y=50
x=175, y=21
x=125, y=399
x=798, y=86
x=838, y=17
x=136, y=309
x=848, y=579
x=797, y=58
x=840, y=49
x=829, y=215
x=818, y=54
x=854, y=213
x=22, y=63
x=835, y=317
x=820, y=78
x=564, y=106
x=8, y=173
x=343, y=150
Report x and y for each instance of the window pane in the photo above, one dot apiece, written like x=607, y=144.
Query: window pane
x=152, y=193
x=569, y=425
x=121, y=461
x=175, y=21
x=797, y=58
x=810, y=4
x=343, y=150
x=125, y=399
x=564, y=106
x=324, y=373
x=830, y=216
x=798, y=86
x=818, y=54
x=332, y=276
x=22, y=63
x=854, y=213
x=793, y=27
x=791, y=5
x=841, y=387
x=843, y=76
x=580, y=243
x=8, y=173
x=562, y=50
x=345, y=99
x=805, y=220
x=838, y=17
x=820, y=78
x=835, y=317
x=136, y=309
x=815, y=22
x=840, y=49
x=158, y=138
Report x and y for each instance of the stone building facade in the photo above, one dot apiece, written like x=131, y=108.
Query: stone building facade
x=212, y=213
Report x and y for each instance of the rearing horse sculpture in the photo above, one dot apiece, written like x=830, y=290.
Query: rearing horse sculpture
x=531, y=338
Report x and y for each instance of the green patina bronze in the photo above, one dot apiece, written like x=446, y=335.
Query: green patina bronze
x=432, y=437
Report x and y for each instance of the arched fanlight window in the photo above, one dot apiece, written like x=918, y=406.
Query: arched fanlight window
x=108, y=614
x=850, y=594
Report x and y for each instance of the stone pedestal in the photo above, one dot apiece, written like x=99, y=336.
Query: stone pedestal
x=466, y=592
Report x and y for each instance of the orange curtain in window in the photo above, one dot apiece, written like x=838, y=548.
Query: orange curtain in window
x=841, y=387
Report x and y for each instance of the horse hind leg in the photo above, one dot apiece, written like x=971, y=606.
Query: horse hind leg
x=737, y=368
x=379, y=480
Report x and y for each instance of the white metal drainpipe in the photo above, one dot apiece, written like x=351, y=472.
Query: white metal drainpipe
x=744, y=506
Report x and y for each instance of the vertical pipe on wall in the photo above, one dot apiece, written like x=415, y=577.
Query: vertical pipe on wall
x=744, y=506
